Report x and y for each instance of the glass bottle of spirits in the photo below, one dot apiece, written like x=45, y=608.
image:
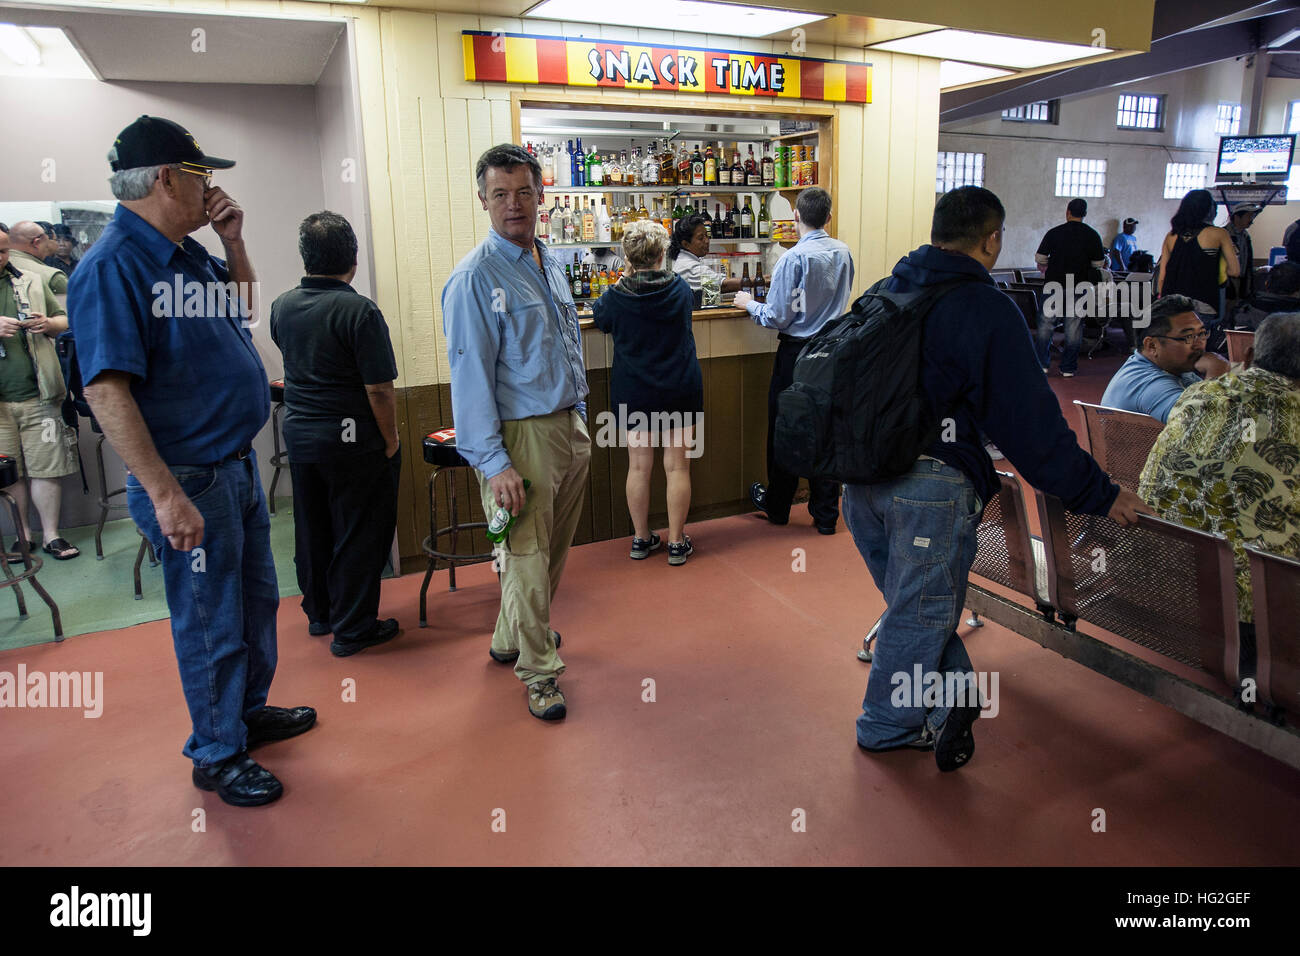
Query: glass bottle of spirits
x=586, y=281
x=548, y=166
x=697, y=167
x=569, y=227
x=595, y=169
x=753, y=175
x=666, y=217
x=577, y=278
x=667, y=166
x=764, y=222
x=642, y=212
x=760, y=284
x=650, y=166
x=737, y=170
x=719, y=224
x=683, y=166
x=733, y=226
x=579, y=166
x=747, y=221
x=603, y=225
x=588, y=221
x=710, y=167
x=613, y=171
x=723, y=169
x=543, y=223
x=769, y=166
x=564, y=166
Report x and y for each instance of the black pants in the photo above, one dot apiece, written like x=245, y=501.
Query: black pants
x=344, y=515
x=824, y=504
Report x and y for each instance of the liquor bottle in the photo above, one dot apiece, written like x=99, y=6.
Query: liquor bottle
x=746, y=283
x=708, y=220
x=760, y=284
x=753, y=174
x=747, y=221
x=603, y=227
x=544, y=223
x=769, y=166
x=588, y=221
x=650, y=166
x=723, y=170
x=586, y=281
x=733, y=227
x=666, y=217
x=577, y=278
x=710, y=167
x=697, y=167
x=579, y=166
x=548, y=166
x=502, y=521
x=764, y=222
x=737, y=170
x=531, y=152
x=613, y=171
x=570, y=227
x=568, y=275
x=667, y=166
x=595, y=169
x=683, y=166
x=642, y=212
x=719, y=223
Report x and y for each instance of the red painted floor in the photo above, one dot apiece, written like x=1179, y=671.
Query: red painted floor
x=756, y=689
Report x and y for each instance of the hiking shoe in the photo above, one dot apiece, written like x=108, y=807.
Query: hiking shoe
x=545, y=700
x=509, y=657
x=955, y=742
x=679, y=551
x=641, y=547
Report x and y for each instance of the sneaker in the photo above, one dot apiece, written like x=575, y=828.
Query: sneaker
x=382, y=632
x=955, y=742
x=641, y=547
x=679, y=551
x=545, y=700
x=509, y=657
x=1067, y=375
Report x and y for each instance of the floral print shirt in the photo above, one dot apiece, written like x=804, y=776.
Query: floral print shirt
x=1228, y=462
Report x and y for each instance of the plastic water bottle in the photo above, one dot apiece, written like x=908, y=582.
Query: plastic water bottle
x=502, y=520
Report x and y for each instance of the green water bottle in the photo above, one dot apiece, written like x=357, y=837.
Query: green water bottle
x=502, y=520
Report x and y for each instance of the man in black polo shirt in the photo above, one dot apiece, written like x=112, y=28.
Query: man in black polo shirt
x=340, y=428
x=1070, y=251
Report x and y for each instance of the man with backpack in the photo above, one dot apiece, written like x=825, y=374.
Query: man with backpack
x=975, y=370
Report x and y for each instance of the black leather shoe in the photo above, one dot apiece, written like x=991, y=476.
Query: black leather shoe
x=513, y=656
x=758, y=498
x=382, y=631
x=278, y=723
x=240, y=781
x=826, y=529
x=317, y=629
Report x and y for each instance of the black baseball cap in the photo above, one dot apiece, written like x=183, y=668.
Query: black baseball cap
x=154, y=141
x=1130, y=221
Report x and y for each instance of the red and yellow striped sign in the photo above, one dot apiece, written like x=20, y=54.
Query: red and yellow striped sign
x=522, y=58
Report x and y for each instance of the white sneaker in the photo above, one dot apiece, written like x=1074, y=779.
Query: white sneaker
x=1067, y=375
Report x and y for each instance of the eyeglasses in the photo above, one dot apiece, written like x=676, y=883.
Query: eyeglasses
x=1200, y=336
x=206, y=177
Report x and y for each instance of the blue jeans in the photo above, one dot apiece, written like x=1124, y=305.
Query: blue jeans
x=917, y=535
x=1073, y=340
x=222, y=602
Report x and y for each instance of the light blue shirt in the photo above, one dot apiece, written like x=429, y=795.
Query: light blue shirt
x=513, y=344
x=811, y=284
x=1125, y=245
x=1142, y=386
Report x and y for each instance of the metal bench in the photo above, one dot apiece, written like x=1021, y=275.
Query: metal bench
x=1275, y=585
x=1120, y=441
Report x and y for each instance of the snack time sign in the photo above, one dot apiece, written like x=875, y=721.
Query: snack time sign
x=523, y=58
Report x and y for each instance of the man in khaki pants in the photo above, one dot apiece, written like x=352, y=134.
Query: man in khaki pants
x=518, y=385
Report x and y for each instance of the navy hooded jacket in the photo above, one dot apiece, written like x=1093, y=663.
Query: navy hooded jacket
x=979, y=367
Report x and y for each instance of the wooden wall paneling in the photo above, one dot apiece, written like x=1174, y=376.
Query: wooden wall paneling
x=598, y=404
x=756, y=376
x=722, y=442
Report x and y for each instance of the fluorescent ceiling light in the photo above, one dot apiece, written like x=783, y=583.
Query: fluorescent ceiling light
x=1013, y=52
x=18, y=45
x=952, y=73
x=687, y=16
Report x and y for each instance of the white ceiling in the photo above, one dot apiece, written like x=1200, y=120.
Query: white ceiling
x=159, y=46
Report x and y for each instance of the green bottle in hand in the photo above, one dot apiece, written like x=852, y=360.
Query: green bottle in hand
x=502, y=520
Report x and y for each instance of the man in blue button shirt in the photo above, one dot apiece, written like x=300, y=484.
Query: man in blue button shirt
x=174, y=380
x=517, y=388
x=811, y=284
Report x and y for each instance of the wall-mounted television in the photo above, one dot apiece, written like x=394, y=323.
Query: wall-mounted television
x=1265, y=157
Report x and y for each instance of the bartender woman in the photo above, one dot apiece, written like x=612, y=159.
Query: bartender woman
x=690, y=243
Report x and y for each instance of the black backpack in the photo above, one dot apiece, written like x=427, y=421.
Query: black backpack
x=855, y=411
x=75, y=404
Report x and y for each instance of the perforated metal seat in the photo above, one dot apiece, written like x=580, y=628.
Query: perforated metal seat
x=1275, y=587
x=441, y=452
x=1120, y=441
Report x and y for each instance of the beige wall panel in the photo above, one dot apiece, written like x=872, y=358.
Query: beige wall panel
x=847, y=224
x=927, y=148
x=500, y=120
x=703, y=338
x=874, y=163
x=451, y=55
x=479, y=115
x=594, y=349
x=738, y=337
x=902, y=159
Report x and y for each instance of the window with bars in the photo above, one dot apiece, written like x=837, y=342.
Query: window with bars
x=1180, y=178
x=1141, y=111
x=1229, y=119
x=959, y=169
x=1042, y=111
x=1084, y=178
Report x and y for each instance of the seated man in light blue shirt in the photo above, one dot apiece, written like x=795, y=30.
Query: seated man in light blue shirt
x=811, y=284
x=517, y=388
x=1126, y=243
x=1172, y=355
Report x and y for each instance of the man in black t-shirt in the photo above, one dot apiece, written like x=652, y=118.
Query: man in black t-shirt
x=1070, y=254
x=340, y=429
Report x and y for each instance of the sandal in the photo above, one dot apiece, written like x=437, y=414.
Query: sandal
x=56, y=548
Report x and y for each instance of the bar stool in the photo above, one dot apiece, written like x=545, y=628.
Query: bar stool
x=31, y=563
x=440, y=451
x=281, y=458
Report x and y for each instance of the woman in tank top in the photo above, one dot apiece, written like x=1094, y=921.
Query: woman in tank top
x=1191, y=257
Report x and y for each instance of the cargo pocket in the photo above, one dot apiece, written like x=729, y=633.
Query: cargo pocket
x=801, y=436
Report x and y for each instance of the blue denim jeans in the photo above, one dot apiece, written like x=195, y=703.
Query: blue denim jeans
x=1073, y=340
x=917, y=535
x=223, y=598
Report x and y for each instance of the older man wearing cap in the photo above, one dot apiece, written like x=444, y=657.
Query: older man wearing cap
x=1125, y=243
x=181, y=398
